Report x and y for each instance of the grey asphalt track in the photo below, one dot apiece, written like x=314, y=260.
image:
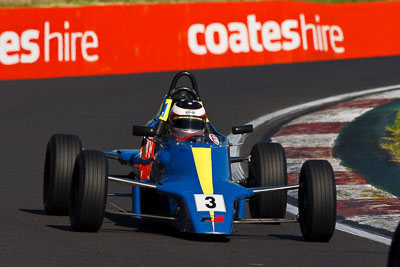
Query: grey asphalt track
x=101, y=111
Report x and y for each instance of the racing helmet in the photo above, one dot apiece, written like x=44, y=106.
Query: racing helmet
x=187, y=118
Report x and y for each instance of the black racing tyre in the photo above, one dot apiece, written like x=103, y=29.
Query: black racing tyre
x=88, y=191
x=394, y=252
x=61, y=152
x=317, y=201
x=266, y=168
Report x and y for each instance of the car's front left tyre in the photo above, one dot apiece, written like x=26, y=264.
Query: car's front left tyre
x=88, y=191
x=317, y=201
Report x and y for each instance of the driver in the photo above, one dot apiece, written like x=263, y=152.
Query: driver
x=187, y=119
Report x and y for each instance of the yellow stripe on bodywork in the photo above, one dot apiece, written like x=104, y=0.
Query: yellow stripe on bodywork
x=202, y=160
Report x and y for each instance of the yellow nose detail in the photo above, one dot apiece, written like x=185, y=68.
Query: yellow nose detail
x=202, y=160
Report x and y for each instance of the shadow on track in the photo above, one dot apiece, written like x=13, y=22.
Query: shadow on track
x=34, y=211
x=268, y=237
x=115, y=224
x=289, y=237
x=66, y=228
x=158, y=228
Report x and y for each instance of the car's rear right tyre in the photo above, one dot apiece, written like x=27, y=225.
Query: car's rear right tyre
x=267, y=168
x=317, y=201
x=88, y=191
x=61, y=152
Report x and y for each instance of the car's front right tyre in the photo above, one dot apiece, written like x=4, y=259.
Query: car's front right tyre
x=61, y=152
x=268, y=168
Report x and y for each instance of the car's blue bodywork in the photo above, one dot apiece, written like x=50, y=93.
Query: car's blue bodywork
x=195, y=168
x=194, y=177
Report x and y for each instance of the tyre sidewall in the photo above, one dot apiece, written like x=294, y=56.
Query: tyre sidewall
x=267, y=168
x=89, y=191
x=317, y=201
x=61, y=152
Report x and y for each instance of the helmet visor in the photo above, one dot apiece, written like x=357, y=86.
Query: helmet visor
x=186, y=122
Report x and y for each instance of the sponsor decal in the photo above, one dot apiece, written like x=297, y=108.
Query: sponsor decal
x=166, y=109
x=196, y=112
x=239, y=37
x=68, y=46
x=216, y=219
x=214, y=139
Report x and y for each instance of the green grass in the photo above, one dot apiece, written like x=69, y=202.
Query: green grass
x=392, y=142
x=41, y=3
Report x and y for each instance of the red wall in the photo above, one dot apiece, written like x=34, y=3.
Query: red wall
x=100, y=40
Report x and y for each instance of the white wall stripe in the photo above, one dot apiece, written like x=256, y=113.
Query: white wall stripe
x=306, y=140
x=390, y=94
x=294, y=165
x=390, y=221
x=336, y=115
x=364, y=191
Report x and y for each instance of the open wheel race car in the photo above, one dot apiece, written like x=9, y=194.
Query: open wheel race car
x=185, y=180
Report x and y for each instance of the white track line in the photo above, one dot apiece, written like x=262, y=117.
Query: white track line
x=238, y=173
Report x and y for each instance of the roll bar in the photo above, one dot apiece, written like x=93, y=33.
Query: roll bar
x=179, y=75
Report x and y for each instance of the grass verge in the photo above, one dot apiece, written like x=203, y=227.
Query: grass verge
x=392, y=142
x=49, y=3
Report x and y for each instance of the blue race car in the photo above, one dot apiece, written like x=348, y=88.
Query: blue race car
x=182, y=176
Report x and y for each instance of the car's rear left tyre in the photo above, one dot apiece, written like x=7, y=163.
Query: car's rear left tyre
x=268, y=168
x=317, y=201
x=61, y=152
x=88, y=191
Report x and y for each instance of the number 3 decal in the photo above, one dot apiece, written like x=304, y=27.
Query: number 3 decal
x=210, y=202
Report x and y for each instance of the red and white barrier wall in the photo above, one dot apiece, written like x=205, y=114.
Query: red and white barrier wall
x=101, y=40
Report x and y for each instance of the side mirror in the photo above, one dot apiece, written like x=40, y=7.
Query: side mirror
x=242, y=129
x=139, y=130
